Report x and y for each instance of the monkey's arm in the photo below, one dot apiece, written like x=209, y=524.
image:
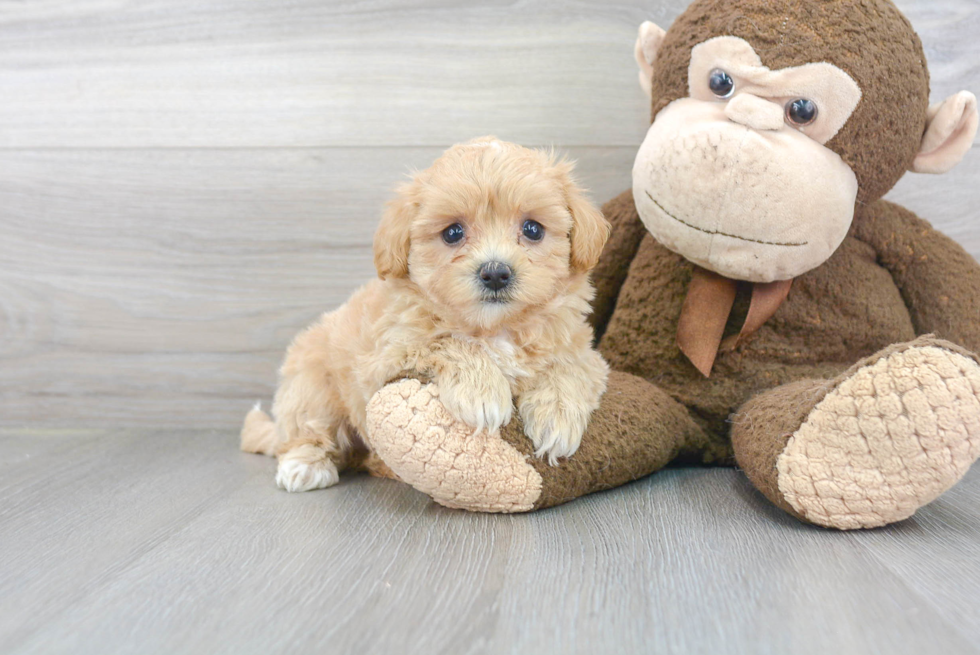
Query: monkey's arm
x=610, y=273
x=939, y=280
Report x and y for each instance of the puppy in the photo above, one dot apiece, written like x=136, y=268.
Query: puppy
x=483, y=285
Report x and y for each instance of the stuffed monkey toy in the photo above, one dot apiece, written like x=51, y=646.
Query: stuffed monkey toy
x=759, y=303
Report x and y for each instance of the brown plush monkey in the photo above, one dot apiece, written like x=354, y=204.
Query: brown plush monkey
x=761, y=303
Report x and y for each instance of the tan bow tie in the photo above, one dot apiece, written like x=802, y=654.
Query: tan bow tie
x=706, y=308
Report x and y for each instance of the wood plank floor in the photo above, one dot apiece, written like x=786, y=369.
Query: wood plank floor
x=174, y=542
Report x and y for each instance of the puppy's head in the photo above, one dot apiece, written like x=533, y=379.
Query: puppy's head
x=489, y=231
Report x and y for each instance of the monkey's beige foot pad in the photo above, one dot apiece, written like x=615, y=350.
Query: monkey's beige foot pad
x=427, y=448
x=892, y=435
x=636, y=430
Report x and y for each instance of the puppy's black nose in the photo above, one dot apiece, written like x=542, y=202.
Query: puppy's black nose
x=495, y=275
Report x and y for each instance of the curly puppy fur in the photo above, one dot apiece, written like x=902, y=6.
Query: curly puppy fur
x=429, y=311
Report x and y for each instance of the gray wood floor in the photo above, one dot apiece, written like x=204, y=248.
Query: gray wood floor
x=184, y=185
x=172, y=542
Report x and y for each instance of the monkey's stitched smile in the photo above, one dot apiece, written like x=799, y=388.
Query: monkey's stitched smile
x=723, y=234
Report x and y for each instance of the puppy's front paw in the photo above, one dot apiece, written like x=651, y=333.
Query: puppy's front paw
x=306, y=468
x=553, y=427
x=484, y=405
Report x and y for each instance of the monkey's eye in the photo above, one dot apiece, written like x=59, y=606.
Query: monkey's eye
x=721, y=83
x=533, y=230
x=801, y=112
x=453, y=234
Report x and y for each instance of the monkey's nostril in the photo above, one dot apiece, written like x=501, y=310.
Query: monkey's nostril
x=495, y=275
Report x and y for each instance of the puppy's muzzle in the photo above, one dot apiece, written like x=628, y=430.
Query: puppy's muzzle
x=495, y=276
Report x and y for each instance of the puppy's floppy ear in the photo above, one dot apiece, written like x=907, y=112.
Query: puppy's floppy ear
x=590, y=229
x=393, y=238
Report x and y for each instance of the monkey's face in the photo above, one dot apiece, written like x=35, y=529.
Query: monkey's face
x=736, y=177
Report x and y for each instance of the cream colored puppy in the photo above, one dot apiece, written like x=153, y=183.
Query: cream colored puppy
x=483, y=263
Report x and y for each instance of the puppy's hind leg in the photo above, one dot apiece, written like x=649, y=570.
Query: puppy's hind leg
x=311, y=461
x=304, y=461
x=305, y=467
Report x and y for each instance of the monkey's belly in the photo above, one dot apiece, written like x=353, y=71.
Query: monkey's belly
x=846, y=309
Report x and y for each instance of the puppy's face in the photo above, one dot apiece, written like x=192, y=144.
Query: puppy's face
x=491, y=230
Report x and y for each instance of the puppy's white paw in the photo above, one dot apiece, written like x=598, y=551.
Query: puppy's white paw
x=487, y=406
x=555, y=429
x=300, y=473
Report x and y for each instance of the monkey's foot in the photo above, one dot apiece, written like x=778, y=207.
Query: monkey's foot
x=894, y=434
x=637, y=429
x=429, y=449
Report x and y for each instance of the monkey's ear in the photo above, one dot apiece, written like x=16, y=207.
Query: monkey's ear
x=590, y=229
x=393, y=238
x=647, y=44
x=951, y=128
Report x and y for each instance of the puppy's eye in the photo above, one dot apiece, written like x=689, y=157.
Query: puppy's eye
x=533, y=230
x=453, y=234
x=721, y=83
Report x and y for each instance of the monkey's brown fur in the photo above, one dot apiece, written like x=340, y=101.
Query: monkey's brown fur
x=893, y=278
x=893, y=281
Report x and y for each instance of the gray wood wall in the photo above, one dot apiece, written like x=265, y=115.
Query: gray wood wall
x=184, y=185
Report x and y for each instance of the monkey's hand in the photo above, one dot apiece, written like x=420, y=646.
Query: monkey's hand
x=937, y=277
